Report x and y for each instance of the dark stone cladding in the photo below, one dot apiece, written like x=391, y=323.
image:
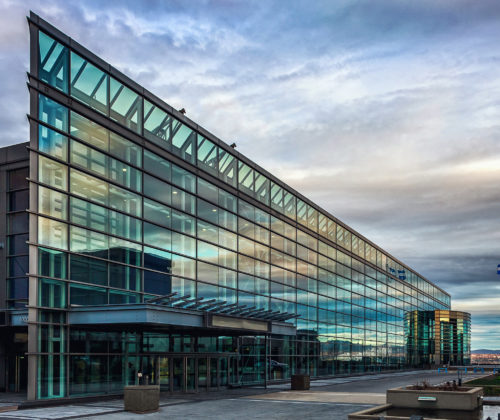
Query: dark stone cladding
x=65, y=99
x=11, y=157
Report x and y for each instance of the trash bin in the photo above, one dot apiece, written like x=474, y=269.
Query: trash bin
x=141, y=398
x=301, y=382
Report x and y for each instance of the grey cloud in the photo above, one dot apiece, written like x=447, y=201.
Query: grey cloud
x=378, y=111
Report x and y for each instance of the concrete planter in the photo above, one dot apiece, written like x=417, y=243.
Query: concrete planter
x=467, y=399
x=301, y=382
x=142, y=398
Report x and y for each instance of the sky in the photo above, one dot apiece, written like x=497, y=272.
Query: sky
x=385, y=113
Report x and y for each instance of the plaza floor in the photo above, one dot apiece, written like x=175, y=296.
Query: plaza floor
x=328, y=398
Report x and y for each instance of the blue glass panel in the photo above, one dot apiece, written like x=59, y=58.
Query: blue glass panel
x=52, y=62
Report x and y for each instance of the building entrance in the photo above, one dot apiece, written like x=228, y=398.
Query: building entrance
x=193, y=373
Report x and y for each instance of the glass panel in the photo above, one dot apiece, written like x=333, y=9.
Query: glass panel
x=87, y=295
x=122, y=225
x=53, y=62
x=52, y=203
x=124, y=251
x=52, y=263
x=88, y=187
x=88, y=270
x=88, y=158
x=17, y=178
x=87, y=242
x=262, y=185
x=53, y=113
x=52, y=293
x=157, y=189
x=52, y=142
x=89, y=84
x=17, y=244
x=125, y=149
x=157, y=260
x=157, y=283
x=246, y=179
x=18, y=200
x=17, y=266
x=289, y=201
x=89, y=131
x=183, y=179
x=207, y=155
x=227, y=167
x=184, y=142
x=183, y=223
x=157, y=165
x=124, y=277
x=125, y=106
x=52, y=233
x=277, y=197
x=124, y=200
x=157, y=212
x=157, y=125
x=157, y=236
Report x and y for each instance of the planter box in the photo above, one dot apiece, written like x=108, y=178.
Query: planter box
x=301, y=382
x=467, y=399
x=142, y=398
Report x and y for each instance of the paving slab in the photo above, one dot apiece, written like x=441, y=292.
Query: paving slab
x=326, y=397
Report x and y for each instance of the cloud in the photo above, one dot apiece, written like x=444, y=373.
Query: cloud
x=384, y=113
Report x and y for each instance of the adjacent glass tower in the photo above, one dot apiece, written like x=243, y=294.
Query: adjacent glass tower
x=130, y=200
x=440, y=337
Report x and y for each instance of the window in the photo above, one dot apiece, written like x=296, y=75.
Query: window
x=125, y=106
x=52, y=62
x=52, y=233
x=17, y=244
x=183, y=223
x=246, y=179
x=88, y=270
x=207, y=155
x=157, y=213
x=52, y=142
x=157, y=283
x=87, y=295
x=157, y=165
x=157, y=236
x=52, y=293
x=89, y=84
x=52, y=263
x=228, y=167
x=52, y=203
x=88, y=214
x=52, y=173
x=124, y=277
x=157, y=260
x=18, y=200
x=53, y=113
x=87, y=242
x=157, y=189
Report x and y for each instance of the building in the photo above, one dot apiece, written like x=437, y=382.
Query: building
x=439, y=337
x=151, y=246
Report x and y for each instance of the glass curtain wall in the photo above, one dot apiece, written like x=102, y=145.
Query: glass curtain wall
x=119, y=222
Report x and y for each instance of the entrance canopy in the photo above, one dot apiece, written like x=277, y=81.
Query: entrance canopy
x=221, y=322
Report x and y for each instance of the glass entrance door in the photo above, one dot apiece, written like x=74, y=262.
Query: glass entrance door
x=214, y=374
x=193, y=374
x=202, y=374
x=177, y=374
x=164, y=373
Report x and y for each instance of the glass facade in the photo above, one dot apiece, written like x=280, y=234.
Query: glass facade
x=133, y=201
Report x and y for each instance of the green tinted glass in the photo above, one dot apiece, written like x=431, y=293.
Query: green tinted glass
x=52, y=62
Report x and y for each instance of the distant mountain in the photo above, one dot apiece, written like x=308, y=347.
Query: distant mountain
x=485, y=351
